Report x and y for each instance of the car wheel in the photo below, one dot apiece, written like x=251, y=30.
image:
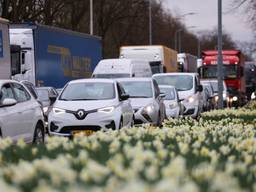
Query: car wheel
x=39, y=134
x=159, y=122
x=133, y=121
x=121, y=123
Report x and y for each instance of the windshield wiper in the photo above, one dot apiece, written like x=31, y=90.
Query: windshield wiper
x=83, y=99
x=64, y=99
x=139, y=97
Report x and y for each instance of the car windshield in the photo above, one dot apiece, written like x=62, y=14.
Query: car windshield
x=229, y=71
x=214, y=85
x=110, y=76
x=169, y=93
x=138, y=89
x=88, y=91
x=43, y=94
x=180, y=82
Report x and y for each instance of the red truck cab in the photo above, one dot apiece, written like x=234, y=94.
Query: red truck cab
x=233, y=71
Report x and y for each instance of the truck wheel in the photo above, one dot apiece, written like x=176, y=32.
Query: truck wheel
x=39, y=134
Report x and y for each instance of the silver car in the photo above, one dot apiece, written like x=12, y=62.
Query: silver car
x=173, y=107
x=146, y=100
x=20, y=113
x=89, y=105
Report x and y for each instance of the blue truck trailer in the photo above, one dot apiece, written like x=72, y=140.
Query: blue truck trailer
x=50, y=56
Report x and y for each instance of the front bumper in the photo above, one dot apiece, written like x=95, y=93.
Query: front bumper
x=191, y=109
x=64, y=124
x=143, y=117
x=172, y=113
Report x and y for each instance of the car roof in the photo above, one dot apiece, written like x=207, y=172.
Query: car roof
x=166, y=86
x=3, y=81
x=135, y=79
x=45, y=88
x=99, y=80
x=168, y=74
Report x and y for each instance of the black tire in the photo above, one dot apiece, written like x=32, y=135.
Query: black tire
x=39, y=134
x=121, y=123
x=133, y=121
x=159, y=123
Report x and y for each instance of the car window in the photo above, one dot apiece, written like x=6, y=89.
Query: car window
x=20, y=93
x=31, y=88
x=43, y=94
x=7, y=92
x=138, y=89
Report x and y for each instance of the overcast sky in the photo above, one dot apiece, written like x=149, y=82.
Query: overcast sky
x=206, y=17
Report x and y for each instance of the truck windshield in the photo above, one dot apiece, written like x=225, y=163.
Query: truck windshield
x=88, y=91
x=181, y=82
x=138, y=89
x=111, y=76
x=15, y=59
x=229, y=71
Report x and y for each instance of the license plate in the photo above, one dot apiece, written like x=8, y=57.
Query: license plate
x=83, y=132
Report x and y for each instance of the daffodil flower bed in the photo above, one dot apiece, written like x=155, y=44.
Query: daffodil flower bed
x=216, y=153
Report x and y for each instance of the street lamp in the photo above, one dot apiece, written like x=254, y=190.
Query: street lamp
x=91, y=17
x=179, y=30
x=178, y=37
x=220, y=59
x=150, y=21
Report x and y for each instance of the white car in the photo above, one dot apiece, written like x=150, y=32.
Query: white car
x=21, y=115
x=214, y=84
x=189, y=90
x=146, y=100
x=89, y=105
x=172, y=104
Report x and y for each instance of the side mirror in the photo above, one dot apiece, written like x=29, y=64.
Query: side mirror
x=8, y=102
x=199, y=88
x=124, y=97
x=162, y=95
x=52, y=98
x=23, y=69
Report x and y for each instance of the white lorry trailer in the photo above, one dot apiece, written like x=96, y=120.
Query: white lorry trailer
x=161, y=58
x=187, y=62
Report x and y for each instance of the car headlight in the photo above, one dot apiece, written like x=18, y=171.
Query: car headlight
x=253, y=96
x=190, y=99
x=58, y=111
x=106, y=109
x=172, y=105
x=45, y=109
x=149, y=109
x=235, y=98
x=216, y=98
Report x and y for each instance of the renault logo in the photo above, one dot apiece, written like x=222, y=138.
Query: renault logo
x=80, y=114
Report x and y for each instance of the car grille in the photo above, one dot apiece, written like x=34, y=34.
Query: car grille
x=138, y=121
x=189, y=112
x=68, y=129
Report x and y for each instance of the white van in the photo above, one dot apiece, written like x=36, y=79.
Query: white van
x=189, y=90
x=119, y=68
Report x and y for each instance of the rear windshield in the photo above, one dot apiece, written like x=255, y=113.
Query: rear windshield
x=112, y=76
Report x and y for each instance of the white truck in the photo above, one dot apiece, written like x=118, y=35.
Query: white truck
x=187, y=62
x=120, y=68
x=5, y=57
x=161, y=58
